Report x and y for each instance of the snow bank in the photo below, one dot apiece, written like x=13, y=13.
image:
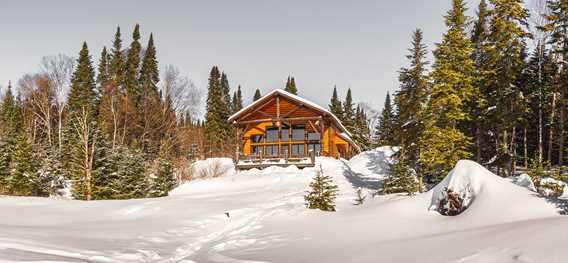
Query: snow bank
x=524, y=180
x=213, y=167
x=486, y=194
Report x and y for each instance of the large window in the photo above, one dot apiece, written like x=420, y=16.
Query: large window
x=298, y=133
x=272, y=151
x=256, y=138
x=285, y=133
x=272, y=134
x=257, y=150
x=297, y=150
x=314, y=136
x=315, y=148
x=284, y=150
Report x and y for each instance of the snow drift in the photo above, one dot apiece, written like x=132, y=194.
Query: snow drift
x=486, y=194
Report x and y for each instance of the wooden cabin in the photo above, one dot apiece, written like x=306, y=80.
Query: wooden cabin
x=284, y=129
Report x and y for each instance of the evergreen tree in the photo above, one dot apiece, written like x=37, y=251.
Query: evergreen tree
x=150, y=119
x=335, y=105
x=322, y=194
x=401, y=178
x=82, y=93
x=558, y=26
x=9, y=112
x=103, y=76
x=116, y=63
x=360, y=199
x=385, y=130
x=22, y=168
x=478, y=105
x=256, y=95
x=507, y=37
x=214, y=121
x=163, y=178
x=5, y=160
x=348, y=113
x=237, y=100
x=411, y=101
x=132, y=91
x=442, y=142
x=291, y=86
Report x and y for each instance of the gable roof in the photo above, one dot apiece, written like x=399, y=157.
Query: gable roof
x=295, y=98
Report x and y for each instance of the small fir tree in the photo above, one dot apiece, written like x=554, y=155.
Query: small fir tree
x=360, y=199
x=384, y=132
x=256, y=95
x=322, y=194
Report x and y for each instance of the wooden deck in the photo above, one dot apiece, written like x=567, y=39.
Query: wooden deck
x=260, y=162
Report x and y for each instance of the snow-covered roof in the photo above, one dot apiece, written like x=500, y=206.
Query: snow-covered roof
x=299, y=99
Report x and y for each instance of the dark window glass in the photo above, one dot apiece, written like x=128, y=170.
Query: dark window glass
x=285, y=134
x=315, y=147
x=314, y=136
x=298, y=133
x=256, y=138
x=272, y=150
x=257, y=150
x=297, y=149
x=272, y=134
x=284, y=150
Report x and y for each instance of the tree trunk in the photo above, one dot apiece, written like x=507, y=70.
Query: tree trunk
x=525, y=148
x=551, y=125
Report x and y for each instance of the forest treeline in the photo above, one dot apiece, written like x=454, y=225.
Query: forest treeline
x=496, y=93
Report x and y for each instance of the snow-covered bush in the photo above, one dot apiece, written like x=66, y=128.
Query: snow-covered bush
x=322, y=194
x=401, y=179
x=452, y=203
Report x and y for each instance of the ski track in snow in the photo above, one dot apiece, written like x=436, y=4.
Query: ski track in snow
x=269, y=223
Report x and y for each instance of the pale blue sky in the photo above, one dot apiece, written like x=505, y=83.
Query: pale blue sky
x=357, y=44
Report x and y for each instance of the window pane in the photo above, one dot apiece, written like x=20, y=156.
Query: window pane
x=285, y=151
x=272, y=134
x=257, y=150
x=256, y=138
x=298, y=149
x=285, y=134
x=316, y=148
x=314, y=136
x=272, y=150
x=298, y=133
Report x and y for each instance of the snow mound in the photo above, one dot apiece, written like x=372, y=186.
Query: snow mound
x=213, y=167
x=373, y=163
x=524, y=180
x=486, y=194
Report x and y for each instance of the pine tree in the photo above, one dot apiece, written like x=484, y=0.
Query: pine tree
x=117, y=66
x=237, y=100
x=558, y=26
x=8, y=112
x=82, y=93
x=335, y=105
x=103, y=76
x=132, y=91
x=401, y=178
x=256, y=95
x=360, y=199
x=5, y=160
x=442, y=142
x=478, y=105
x=507, y=37
x=323, y=192
x=150, y=117
x=385, y=130
x=348, y=113
x=411, y=100
x=214, y=122
x=163, y=177
x=22, y=168
x=291, y=86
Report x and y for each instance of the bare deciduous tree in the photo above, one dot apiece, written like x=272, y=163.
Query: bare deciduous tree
x=185, y=96
x=59, y=69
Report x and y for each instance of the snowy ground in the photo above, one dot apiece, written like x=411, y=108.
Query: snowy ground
x=269, y=223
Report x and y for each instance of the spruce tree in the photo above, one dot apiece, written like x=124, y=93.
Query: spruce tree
x=291, y=86
x=256, y=95
x=82, y=93
x=103, y=76
x=132, y=91
x=385, y=130
x=558, y=26
x=348, y=113
x=150, y=117
x=442, y=143
x=323, y=192
x=335, y=105
x=411, y=100
x=5, y=160
x=507, y=36
x=116, y=63
x=401, y=178
x=214, y=121
x=22, y=168
x=237, y=100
